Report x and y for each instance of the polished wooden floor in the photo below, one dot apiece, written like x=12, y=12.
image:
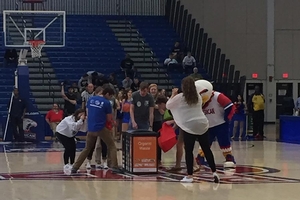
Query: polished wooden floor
x=265, y=170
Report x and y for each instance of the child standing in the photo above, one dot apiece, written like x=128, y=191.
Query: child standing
x=239, y=117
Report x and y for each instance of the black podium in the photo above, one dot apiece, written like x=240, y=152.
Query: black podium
x=139, y=152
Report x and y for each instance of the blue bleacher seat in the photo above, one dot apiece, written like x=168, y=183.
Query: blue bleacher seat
x=90, y=45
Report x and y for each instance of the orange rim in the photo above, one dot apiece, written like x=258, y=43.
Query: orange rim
x=36, y=43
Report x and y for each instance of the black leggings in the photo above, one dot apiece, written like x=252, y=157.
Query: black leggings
x=103, y=151
x=70, y=147
x=156, y=127
x=189, y=142
x=258, y=122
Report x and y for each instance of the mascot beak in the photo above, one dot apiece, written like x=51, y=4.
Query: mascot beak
x=203, y=91
x=205, y=98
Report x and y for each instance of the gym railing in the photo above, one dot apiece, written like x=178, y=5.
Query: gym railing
x=141, y=43
x=42, y=70
x=51, y=88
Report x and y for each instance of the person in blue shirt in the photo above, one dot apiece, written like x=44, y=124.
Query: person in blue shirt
x=99, y=116
x=17, y=112
x=239, y=117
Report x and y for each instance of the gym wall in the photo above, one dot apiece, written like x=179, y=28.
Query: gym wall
x=238, y=27
x=287, y=38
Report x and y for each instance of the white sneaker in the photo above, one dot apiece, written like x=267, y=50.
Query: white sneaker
x=88, y=165
x=187, y=180
x=105, y=166
x=66, y=166
x=67, y=169
x=216, y=177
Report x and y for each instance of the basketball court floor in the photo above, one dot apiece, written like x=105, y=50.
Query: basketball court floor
x=265, y=170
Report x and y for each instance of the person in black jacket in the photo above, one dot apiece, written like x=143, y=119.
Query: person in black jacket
x=11, y=57
x=17, y=112
x=127, y=65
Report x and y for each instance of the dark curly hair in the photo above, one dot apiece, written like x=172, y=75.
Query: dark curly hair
x=189, y=91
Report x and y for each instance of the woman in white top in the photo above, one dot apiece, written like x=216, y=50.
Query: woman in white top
x=186, y=108
x=66, y=131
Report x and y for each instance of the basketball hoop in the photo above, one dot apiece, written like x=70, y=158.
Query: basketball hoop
x=36, y=48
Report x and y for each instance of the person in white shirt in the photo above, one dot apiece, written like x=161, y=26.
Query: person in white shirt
x=188, y=63
x=186, y=108
x=66, y=131
x=126, y=83
x=87, y=94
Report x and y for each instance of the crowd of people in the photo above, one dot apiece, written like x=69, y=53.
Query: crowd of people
x=106, y=112
x=180, y=59
x=105, y=109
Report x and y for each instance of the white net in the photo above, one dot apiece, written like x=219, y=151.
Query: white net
x=36, y=48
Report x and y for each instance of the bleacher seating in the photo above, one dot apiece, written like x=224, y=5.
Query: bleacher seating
x=90, y=45
x=161, y=36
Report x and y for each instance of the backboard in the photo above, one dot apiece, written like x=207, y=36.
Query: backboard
x=21, y=26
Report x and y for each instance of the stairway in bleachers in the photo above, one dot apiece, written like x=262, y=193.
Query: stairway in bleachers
x=90, y=46
x=219, y=67
x=43, y=83
x=161, y=36
x=145, y=60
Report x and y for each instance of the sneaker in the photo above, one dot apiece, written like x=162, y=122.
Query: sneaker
x=67, y=169
x=105, y=166
x=88, y=165
x=230, y=162
x=200, y=160
x=117, y=171
x=230, y=158
x=74, y=171
x=88, y=171
x=98, y=166
x=258, y=137
x=187, y=180
x=216, y=177
x=67, y=166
